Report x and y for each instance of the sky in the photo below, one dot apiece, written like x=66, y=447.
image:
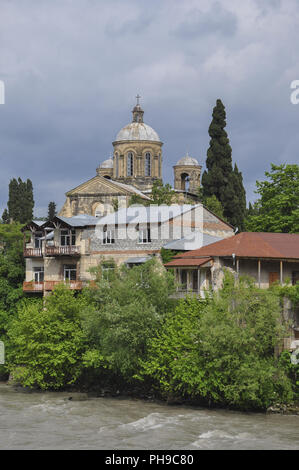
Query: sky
x=72, y=68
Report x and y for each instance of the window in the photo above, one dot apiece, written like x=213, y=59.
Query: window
x=144, y=235
x=38, y=274
x=37, y=239
x=108, y=237
x=147, y=164
x=68, y=237
x=70, y=272
x=107, y=270
x=130, y=160
x=295, y=277
x=183, y=279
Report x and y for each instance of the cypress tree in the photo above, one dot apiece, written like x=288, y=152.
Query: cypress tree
x=220, y=179
x=13, y=200
x=5, y=217
x=20, y=200
x=51, y=210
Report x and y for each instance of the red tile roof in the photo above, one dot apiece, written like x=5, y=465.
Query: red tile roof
x=187, y=262
x=251, y=245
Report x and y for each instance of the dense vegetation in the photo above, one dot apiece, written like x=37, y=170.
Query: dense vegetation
x=128, y=331
x=277, y=209
x=11, y=276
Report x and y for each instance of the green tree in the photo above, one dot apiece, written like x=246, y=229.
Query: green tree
x=161, y=194
x=5, y=217
x=20, y=200
x=220, y=179
x=277, y=209
x=47, y=341
x=222, y=350
x=51, y=210
x=128, y=306
x=11, y=277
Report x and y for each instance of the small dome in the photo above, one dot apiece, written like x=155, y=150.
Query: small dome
x=137, y=131
x=107, y=163
x=187, y=160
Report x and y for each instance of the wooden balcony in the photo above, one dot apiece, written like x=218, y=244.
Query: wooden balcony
x=68, y=250
x=74, y=285
x=32, y=253
x=32, y=286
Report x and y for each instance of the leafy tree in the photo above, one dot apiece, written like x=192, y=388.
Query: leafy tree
x=161, y=194
x=221, y=350
x=11, y=276
x=128, y=308
x=47, y=341
x=277, y=209
x=51, y=210
x=220, y=179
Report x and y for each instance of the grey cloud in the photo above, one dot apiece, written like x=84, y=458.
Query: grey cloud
x=217, y=20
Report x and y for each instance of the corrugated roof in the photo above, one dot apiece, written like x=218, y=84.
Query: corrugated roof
x=142, y=214
x=81, y=220
x=252, y=245
x=192, y=241
x=180, y=262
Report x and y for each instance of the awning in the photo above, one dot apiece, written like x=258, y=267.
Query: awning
x=138, y=260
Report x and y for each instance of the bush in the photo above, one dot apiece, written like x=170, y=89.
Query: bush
x=47, y=342
x=222, y=350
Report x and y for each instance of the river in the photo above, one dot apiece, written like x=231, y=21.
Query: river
x=51, y=420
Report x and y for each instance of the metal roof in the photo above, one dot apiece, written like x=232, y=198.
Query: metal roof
x=192, y=241
x=138, y=260
x=145, y=214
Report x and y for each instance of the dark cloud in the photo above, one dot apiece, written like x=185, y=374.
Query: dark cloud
x=72, y=71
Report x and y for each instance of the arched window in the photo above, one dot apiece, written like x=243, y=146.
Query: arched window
x=130, y=160
x=147, y=164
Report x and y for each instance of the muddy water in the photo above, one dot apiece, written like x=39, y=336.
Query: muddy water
x=53, y=421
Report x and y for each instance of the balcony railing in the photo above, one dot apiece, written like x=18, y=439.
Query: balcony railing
x=32, y=286
x=69, y=250
x=32, y=252
x=74, y=285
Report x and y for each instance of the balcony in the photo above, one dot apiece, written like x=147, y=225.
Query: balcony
x=67, y=250
x=32, y=253
x=32, y=286
x=73, y=285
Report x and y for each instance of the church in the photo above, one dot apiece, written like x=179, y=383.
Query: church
x=135, y=166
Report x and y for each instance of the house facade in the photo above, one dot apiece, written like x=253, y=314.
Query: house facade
x=265, y=257
x=65, y=249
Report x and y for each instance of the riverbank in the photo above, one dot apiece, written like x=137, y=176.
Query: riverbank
x=82, y=394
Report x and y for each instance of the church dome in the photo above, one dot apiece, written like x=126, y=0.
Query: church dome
x=107, y=163
x=188, y=161
x=137, y=131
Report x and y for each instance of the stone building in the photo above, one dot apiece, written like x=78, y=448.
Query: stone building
x=135, y=165
x=265, y=257
x=66, y=248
